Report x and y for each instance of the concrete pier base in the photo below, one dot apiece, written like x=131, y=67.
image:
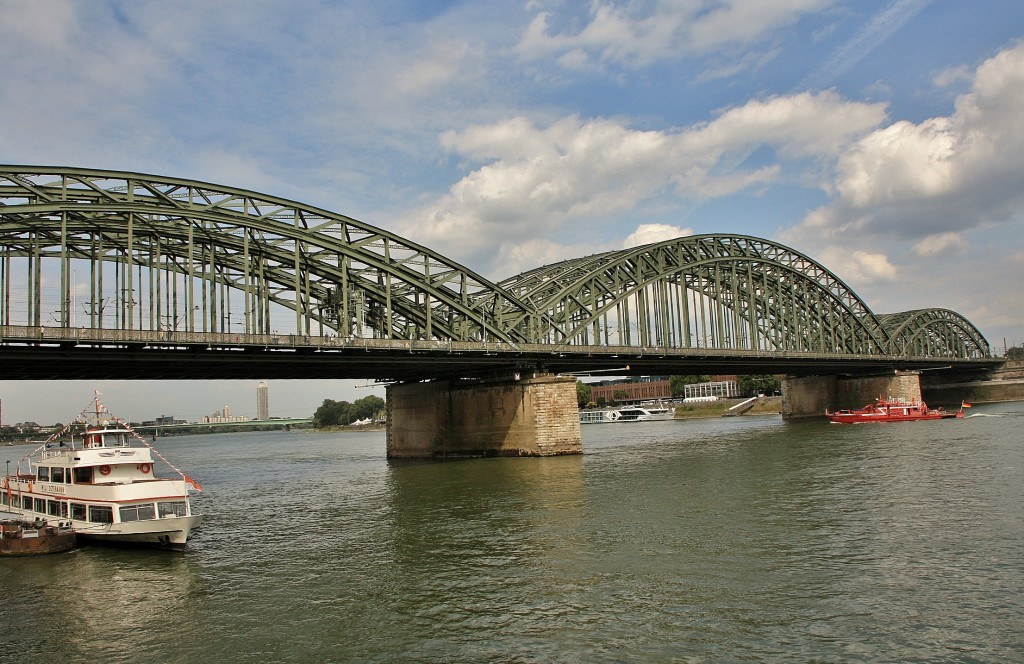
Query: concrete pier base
x=530, y=415
x=809, y=396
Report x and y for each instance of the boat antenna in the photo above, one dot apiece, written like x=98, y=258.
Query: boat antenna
x=100, y=408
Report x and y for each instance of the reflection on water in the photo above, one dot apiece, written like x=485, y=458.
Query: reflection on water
x=717, y=540
x=66, y=603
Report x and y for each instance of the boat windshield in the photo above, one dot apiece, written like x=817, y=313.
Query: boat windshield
x=106, y=439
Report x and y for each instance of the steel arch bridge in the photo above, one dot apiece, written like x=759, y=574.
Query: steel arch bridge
x=104, y=254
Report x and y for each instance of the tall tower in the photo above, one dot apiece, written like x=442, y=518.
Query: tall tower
x=262, y=401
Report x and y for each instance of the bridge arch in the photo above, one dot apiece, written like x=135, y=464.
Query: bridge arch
x=714, y=291
x=167, y=252
x=934, y=333
x=130, y=251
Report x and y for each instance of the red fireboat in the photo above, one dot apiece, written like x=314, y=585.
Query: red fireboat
x=884, y=410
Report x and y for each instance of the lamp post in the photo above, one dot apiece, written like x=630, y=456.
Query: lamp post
x=483, y=326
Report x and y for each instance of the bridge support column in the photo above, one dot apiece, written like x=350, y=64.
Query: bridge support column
x=809, y=396
x=528, y=415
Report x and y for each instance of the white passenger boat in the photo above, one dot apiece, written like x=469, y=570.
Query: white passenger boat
x=645, y=414
x=596, y=416
x=626, y=414
x=100, y=478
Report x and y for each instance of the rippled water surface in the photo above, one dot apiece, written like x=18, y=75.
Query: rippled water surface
x=711, y=540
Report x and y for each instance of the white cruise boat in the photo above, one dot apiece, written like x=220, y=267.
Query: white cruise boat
x=626, y=414
x=645, y=414
x=103, y=483
x=603, y=416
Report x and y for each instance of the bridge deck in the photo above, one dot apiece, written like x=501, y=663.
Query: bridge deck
x=82, y=353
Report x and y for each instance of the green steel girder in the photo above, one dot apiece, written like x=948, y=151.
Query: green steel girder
x=713, y=265
x=934, y=333
x=314, y=252
x=172, y=232
x=194, y=244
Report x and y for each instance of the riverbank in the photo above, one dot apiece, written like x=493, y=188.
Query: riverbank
x=351, y=428
x=764, y=406
x=981, y=391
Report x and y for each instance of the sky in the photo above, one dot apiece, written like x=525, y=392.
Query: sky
x=884, y=139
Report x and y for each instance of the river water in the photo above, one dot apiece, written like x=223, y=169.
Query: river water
x=704, y=540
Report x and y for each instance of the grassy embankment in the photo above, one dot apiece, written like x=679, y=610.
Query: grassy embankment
x=765, y=406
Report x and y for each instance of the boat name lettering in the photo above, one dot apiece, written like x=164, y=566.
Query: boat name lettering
x=52, y=488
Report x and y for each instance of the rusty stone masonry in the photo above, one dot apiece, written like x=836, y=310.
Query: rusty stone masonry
x=531, y=415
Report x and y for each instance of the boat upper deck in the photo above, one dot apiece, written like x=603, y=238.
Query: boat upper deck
x=97, y=456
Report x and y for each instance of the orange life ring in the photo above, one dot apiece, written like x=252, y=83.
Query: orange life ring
x=144, y=468
x=104, y=470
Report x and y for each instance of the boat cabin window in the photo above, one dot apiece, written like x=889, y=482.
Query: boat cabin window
x=43, y=473
x=106, y=440
x=138, y=512
x=26, y=502
x=40, y=505
x=101, y=514
x=57, y=508
x=175, y=507
x=57, y=475
x=3, y=498
x=114, y=440
x=83, y=475
x=78, y=511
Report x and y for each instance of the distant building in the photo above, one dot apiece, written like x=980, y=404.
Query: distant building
x=262, y=401
x=656, y=388
x=722, y=389
x=646, y=388
x=222, y=416
x=162, y=421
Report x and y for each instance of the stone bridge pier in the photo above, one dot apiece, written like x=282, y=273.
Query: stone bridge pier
x=524, y=414
x=809, y=396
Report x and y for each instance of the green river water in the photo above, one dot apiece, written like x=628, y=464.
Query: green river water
x=693, y=541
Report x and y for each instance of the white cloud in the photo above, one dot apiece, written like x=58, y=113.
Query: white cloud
x=516, y=257
x=532, y=179
x=638, y=34
x=46, y=25
x=798, y=125
x=651, y=233
x=948, y=77
x=326, y=97
x=899, y=162
x=858, y=266
x=941, y=243
x=89, y=85
x=918, y=191
x=438, y=67
x=944, y=174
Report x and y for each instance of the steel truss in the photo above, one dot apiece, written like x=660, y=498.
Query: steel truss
x=165, y=253
x=728, y=292
x=115, y=250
